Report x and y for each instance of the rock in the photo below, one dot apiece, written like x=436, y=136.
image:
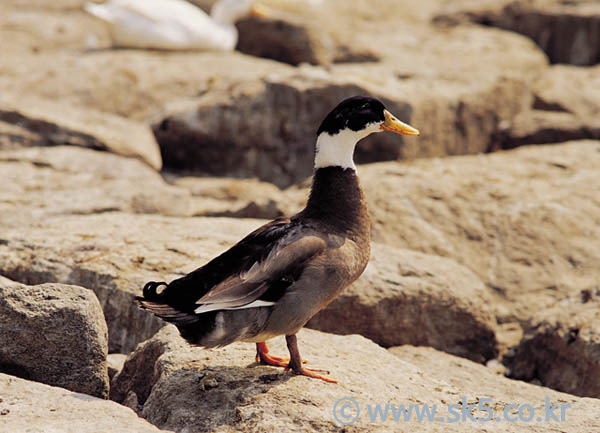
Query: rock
x=235, y=198
x=132, y=84
x=571, y=89
x=286, y=40
x=306, y=32
x=468, y=378
x=142, y=368
x=37, y=122
x=115, y=363
x=406, y=297
x=524, y=221
x=561, y=347
x=193, y=390
x=565, y=107
x=55, y=334
x=263, y=125
x=567, y=31
x=42, y=182
x=547, y=127
x=35, y=407
x=65, y=27
x=115, y=254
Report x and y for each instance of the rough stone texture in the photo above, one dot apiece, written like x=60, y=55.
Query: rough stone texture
x=38, y=122
x=546, y=127
x=284, y=40
x=54, y=334
x=235, y=198
x=115, y=363
x=565, y=107
x=526, y=221
x=263, y=124
x=561, y=348
x=34, y=407
x=477, y=382
x=299, y=31
x=176, y=384
x=567, y=31
x=572, y=89
x=67, y=180
x=413, y=298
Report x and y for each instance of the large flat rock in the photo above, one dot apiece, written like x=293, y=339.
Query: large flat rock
x=55, y=334
x=571, y=89
x=525, y=221
x=32, y=121
x=231, y=197
x=469, y=378
x=261, y=127
x=221, y=390
x=565, y=107
x=67, y=180
x=547, y=126
x=134, y=84
x=34, y=407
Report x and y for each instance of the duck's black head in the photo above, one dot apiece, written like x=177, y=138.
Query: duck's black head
x=354, y=113
x=352, y=120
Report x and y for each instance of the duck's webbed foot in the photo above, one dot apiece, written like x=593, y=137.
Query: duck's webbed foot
x=296, y=362
x=263, y=357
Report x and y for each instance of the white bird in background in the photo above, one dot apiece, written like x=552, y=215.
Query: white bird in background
x=173, y=24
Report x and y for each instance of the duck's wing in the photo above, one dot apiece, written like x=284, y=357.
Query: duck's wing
x=255, y=272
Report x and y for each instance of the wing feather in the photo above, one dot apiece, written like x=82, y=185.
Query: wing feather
x=246, y=287
x=266, y=261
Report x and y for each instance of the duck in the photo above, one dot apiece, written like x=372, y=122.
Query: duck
x=276, y=278
x=173, y=24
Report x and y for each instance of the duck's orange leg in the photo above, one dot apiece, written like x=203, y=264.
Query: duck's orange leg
x=296, y=362
x=263, y=357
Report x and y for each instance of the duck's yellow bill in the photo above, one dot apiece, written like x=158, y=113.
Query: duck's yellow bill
x=393, y=124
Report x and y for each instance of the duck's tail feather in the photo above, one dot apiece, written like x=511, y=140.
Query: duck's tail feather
x=153, y=302
x=150, y=290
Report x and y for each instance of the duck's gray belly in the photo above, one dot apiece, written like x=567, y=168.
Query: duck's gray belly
x=226, y=326
x=318, y=285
